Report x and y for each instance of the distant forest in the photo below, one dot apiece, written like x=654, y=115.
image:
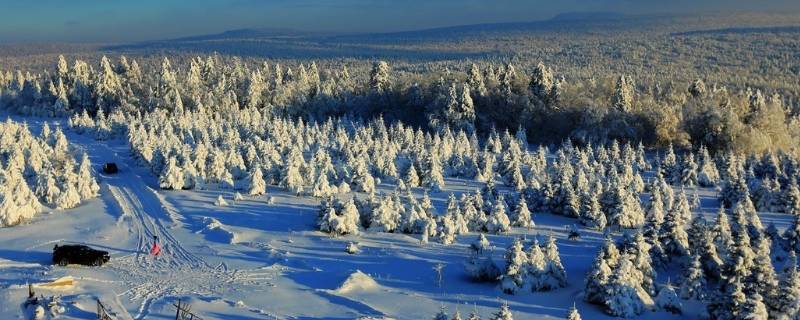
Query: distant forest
x=658, y=80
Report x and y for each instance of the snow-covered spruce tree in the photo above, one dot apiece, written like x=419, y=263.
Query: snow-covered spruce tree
x=667, y=299
x=592, y=215
x=46, y=186
x=433, y=178
x=291, y=175
x=503, y=314
x=541, y=86
x=67, y=179
x=514, y=277
x=522, y=216
x=670, y=168
x=767, y=195
x=498, y=221
x=729, y=302
x=734, y=189
x=763, y=279
x=322, y=187
x=573, y=314
x=362, y=179
x=639, y=250
x=411, y=179
x=688, y=173
x=87, y=186
x=674, y=238
x=625, y=209
x=753, y=308
x=708, y=175
x=379, y=80
x=791, y=199
x=693, y=285
x=788, y=300
x=554, y=275
x=600, y=272
x=624, y=296
x=622, y=100
x=723, y=236
x=172, y=176
x=792, y=235
x=257, y=184
x=447, y=229
x=537, y=264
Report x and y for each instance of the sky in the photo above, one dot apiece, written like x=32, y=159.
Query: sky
x=139, y=20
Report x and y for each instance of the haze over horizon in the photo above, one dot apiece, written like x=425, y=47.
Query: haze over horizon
x=113, y=21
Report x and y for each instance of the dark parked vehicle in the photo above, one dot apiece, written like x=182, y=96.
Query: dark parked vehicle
x=79, y=254
x=110, y=168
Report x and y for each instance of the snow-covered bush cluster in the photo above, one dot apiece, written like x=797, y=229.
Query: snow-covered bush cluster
x=504, y=313
x=40, y=170
x=538, y=269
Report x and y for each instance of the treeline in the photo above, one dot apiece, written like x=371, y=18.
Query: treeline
x=481, y=98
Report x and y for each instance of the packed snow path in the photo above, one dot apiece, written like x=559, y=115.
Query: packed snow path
x=176, y=271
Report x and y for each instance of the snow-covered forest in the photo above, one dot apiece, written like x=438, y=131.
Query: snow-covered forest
x=612, y=195
x=40, y=171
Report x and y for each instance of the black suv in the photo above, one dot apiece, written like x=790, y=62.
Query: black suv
x=79, y=254
x=110, y=168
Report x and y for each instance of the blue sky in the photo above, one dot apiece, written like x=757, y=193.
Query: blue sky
x=120, y=21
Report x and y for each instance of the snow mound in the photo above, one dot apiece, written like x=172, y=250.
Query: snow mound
x=358, y=282
x=216, y=231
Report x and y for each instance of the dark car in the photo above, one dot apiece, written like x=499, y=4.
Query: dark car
x=79, y=254
x=110, y=168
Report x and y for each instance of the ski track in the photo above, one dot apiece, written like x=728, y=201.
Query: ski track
x=177, y=271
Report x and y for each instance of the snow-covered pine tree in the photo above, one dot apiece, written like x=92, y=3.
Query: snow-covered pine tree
x=87, y=186
x=67, y=179
x=788, y=299
x=257, y=184
x=791, y=199
x=624, y=297
x=291, y=175
x=762, y=279
x=708, y=175
x=622, y=100
x=625, y=209
x=498, y=221
x=514, y=277
x=573, y=314
x=503, y=314
x=673, y=236
x=554, y=275
x=639, y=250
x=522, y=216
x=753, y=308
x=172, y=176
x=688, y=173
x=600, y=272
x=693, y=285
x=592, y=215
x=412, y=179
x=433, y=178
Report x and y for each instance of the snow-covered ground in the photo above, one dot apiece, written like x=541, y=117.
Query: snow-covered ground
x=256, y=260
